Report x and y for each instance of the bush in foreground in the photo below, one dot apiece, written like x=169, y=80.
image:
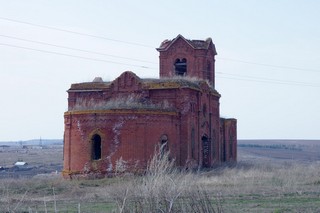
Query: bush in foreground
x=163, y=189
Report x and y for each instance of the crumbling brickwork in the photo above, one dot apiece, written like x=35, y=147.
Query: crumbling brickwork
x=116, y=126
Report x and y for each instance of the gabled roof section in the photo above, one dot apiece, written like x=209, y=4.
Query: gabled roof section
x=126, y=82
x=195, y=44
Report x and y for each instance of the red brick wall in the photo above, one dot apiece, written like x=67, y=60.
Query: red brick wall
x=198, y=110
x=130, y=135
x=229, y=140
x=199, y=61
x=185, y=112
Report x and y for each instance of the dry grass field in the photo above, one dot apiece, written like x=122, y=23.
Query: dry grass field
x=41, y=160
x=267, y=178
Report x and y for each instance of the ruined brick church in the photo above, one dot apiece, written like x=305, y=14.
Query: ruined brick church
x=116, y=126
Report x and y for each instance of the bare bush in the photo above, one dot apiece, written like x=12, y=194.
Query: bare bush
x=163, y=189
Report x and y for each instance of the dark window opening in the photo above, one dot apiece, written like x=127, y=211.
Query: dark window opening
x=205, y=151
x=193, y=138
x=163, y=144
x=180, y=67
x=96, y=147
x=214, y=139
x=209, y=71
x=204, y=110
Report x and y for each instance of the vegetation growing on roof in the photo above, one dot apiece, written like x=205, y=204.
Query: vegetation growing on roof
x=178, y=82
x=132, y=101
x=90, y=85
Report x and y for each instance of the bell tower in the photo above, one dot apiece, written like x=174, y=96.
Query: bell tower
x=184, y=57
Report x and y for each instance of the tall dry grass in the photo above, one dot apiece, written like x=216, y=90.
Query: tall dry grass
x=163, y=188
x=264, y=178
x=246, y=187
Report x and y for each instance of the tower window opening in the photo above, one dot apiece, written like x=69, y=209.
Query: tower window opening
x=96, y=147
x=180, y=67
x=208, y=71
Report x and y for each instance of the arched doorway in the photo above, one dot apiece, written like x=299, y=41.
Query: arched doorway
x=205, y=151
x=164, y=147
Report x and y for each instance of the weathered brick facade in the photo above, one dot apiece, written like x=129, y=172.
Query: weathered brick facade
x=116, y=126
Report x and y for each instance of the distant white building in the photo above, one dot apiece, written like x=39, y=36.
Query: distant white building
x=20, y=163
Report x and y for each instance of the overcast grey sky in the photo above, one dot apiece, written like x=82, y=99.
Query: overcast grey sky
x=268, y=62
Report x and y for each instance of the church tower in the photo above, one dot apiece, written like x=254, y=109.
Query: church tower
x=192, y=58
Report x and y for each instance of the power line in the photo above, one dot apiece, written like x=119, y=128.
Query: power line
x=235, y=77
x=75, y=49
x=77, y=33
x=269, y=65
x=74, y=56
x=270, y=82
x=148, y=46
x=268, y=79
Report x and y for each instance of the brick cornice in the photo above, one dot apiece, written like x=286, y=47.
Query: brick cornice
x=122, y=111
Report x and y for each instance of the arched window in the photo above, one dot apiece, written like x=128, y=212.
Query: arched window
x=163, y=144
x=96, y=147
x=205, y=151
x=204, y=110
x=180, y=67
x=209, y=71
